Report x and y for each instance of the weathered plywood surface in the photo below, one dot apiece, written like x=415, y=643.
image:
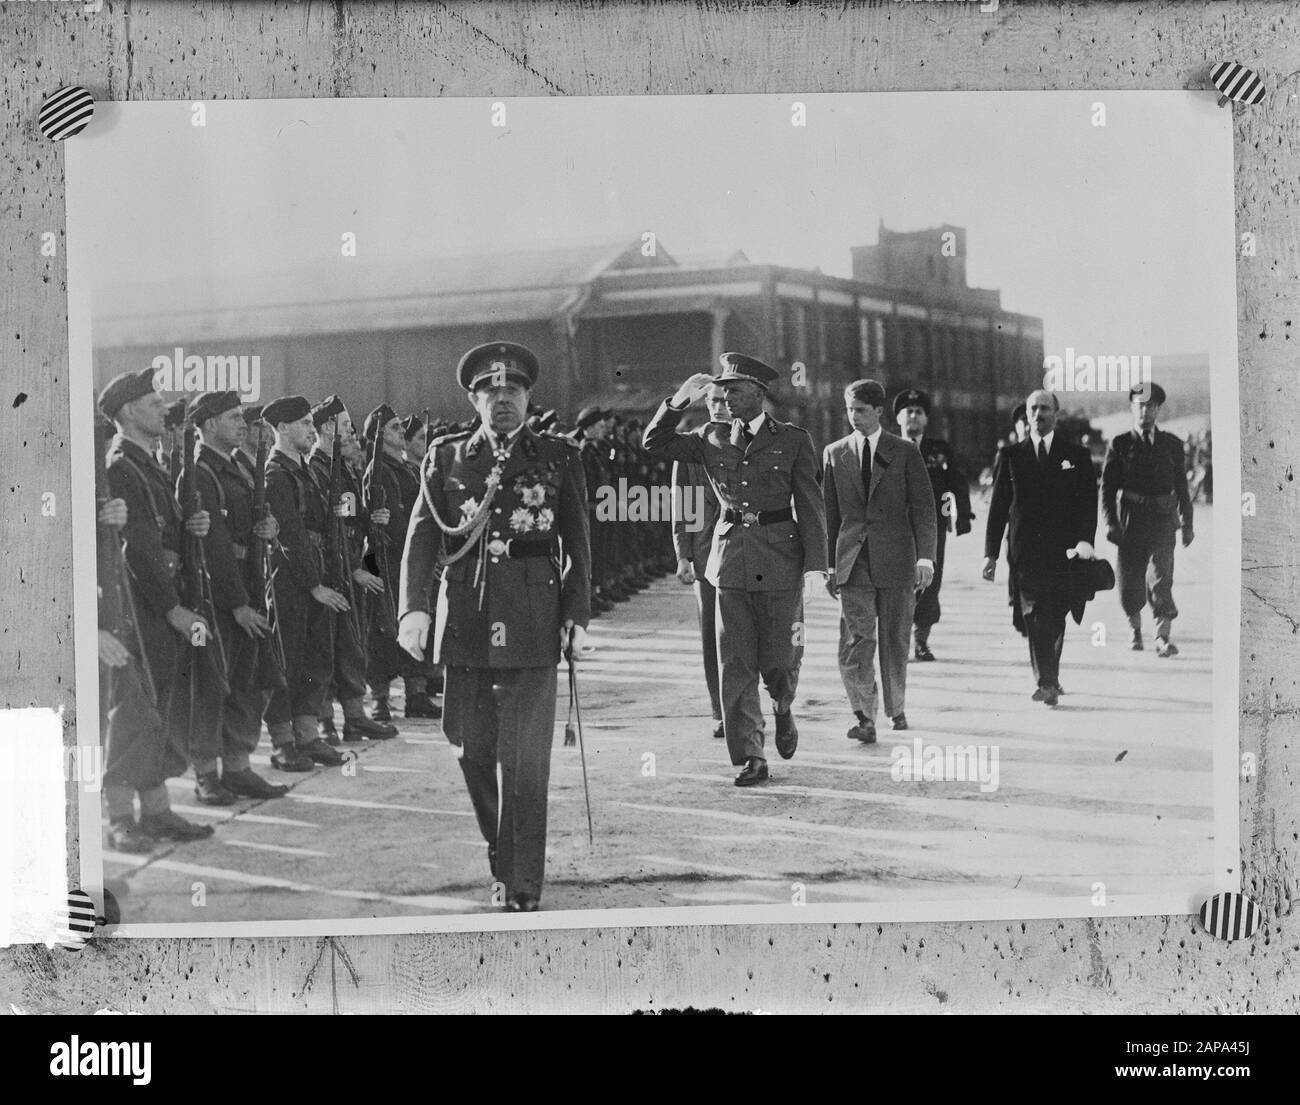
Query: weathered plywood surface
x=193, y=51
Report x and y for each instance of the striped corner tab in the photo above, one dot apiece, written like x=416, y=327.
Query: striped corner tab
x=66, y=112
x=1236, y=82
x=1230, y=916
x=80, y=920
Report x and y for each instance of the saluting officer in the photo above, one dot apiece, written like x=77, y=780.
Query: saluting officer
x=141, y=752
x=1145, y=497
x=226, y=493
x=770, y=538
x=951, y=503
x=504, y=511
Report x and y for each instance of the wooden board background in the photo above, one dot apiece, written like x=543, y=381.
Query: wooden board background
x=252, y=50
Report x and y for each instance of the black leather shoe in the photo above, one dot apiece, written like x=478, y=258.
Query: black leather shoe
x=171, y=826
x=290, y=759
x=1046, y=695
x=787, y=734
x=381, y=712
x=755, y=772
x=900, y=721
x=328, y=733
x=923, y=652
x=248, y=784
x=359, y=728
x=522, y=903
x=208, y=789
x=127, y=836
x=421, y=705
x=321, y=753
x=718, y=731
x=864, y=731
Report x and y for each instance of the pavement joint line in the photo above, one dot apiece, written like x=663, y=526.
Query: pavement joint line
x=229, y=813
x=259, y=847
x=365, y=804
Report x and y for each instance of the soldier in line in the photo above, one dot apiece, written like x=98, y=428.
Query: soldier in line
x=257, y=431
x=589, y=433
x=504, y=512
x=951, y=504
x=392, y=482
x=304, y=603
x=693, y=543
x=1144, y=494
x=330, y=417
x=770, y=539
x=226, y=494
x=141, y=751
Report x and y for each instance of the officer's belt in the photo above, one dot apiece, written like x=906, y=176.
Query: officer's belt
x=518, y=550
x=760, y=518
x=1162, y=499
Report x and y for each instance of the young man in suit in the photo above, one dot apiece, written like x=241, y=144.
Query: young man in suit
x=770, y=539
x=881, y=536
x=1045, y=492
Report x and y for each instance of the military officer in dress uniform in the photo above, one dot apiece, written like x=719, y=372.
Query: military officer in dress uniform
x=1145, y=497
x=226, y=494
x=142, y=752
x=504, y=511
x=951, y=503
x=770, y=538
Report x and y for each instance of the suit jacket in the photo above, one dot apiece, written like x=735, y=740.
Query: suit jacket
x=542, y=497
x=1047, y=508
x=894, y=520
x=694, y=541
x=776, y=470
x=946, y=477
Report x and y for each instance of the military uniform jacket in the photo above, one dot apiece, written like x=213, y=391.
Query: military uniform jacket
x=300, y=509
x=693, y=541
x=355, y=524
x=1156, y=470
x=510, y=616
x=776, y=470
x=1048, y=508
x=391, y=484
x=154, y=525
x=945, y=477
x=595, y=467
x=226, y=493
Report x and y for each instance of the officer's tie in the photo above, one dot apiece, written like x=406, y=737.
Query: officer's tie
x=1042, y=452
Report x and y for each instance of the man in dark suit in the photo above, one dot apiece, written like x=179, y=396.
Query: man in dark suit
x=693, y=541
x=1045, y=492
x=951, y=502
x=503, y=511
x=1144, y=495
x=770, y=539
x=880, y=540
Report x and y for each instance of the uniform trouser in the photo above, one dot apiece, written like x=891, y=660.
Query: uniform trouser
x=505, y=718
x=927, y=605
x=874, y=619
x=305, y=632
x=239, y=715
x=706, y=600
x=348, y=678
x=1146, y=572
x=1044, y=611
x=757, y=635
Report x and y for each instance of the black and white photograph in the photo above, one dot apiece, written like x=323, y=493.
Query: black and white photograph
x=655, y=510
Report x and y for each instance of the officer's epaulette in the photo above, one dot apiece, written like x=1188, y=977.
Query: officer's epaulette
x=450, y=438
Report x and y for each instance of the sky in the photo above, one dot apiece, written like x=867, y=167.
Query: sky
x=1117, y=236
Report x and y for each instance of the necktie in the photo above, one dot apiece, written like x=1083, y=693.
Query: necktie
x=1149, y=438
x=1042, y=452
x=866, y=466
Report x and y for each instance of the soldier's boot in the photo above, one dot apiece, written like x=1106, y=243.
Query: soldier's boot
x=328, y=733
x=211, y=791
x=285, y=755
x=1135, y=632
x=307, y=740
x=356, y=726
x=418, y=702
x=381, y=712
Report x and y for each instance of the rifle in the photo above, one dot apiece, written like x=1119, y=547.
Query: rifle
x=377, y=500
x=337, y=554
x=196, y=586
x=270, y=666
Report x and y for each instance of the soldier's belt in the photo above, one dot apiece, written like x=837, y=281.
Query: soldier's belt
x=1162, y=499
x=171, y=561
x=241, y=551
x=518, y=550
x=759, y=517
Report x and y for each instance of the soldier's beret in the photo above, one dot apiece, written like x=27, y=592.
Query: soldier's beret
x=123, y=389
x=329, y=407
x=912, y=397
x=498, y=360
x=1147, y=392
x=288, y=408
x=176, y=414
x=376, y=420
x=589, y=416
x=253, y=414
x=211, y=404
x=411, y=425
x=1020, y=414
x=739, y=366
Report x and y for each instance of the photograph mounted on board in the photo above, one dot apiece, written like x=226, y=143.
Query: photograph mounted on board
x=665, y=510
